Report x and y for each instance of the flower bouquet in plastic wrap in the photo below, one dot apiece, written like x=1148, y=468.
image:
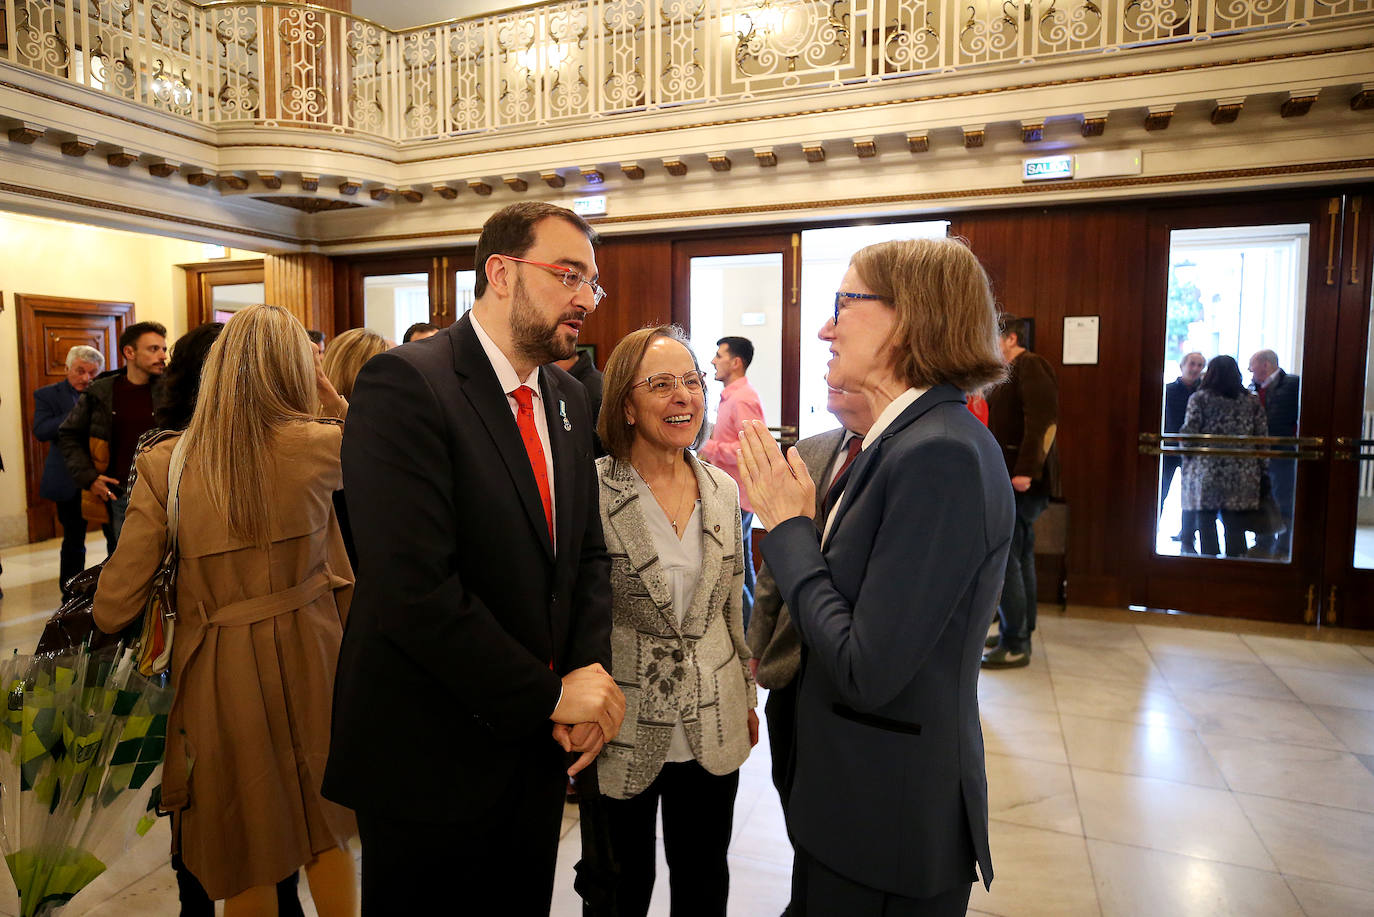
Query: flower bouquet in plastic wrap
x=81, y=748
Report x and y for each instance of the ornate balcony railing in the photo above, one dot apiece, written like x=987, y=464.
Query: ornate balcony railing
x=274, y=64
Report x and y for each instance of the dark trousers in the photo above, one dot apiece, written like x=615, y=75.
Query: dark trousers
x=73, y=555
x=1167, y=466
x=118, y=508
x=817, y=891
x=498, y=862
x=1234, y=524
x=746, y=521
x=1283, y=478
x=195, y=903
x=698, y=811
x=1016, y=611
x=780, y=711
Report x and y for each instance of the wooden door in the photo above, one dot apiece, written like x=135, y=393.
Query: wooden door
x=1347, y=590
x=208, y=283
x=48, y=328
x=1274, y=584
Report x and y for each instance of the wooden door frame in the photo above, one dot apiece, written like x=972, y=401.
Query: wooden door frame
x=24, y=306
x=351, y=272
x=1347, y=593
x=787, y=244
x=202, y=278
x=1219, y=586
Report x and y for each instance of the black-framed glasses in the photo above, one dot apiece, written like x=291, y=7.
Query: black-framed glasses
x=840, y=296
x=663, y=384
x=566, y=276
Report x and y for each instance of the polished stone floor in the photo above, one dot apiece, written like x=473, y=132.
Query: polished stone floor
x=1142, y=765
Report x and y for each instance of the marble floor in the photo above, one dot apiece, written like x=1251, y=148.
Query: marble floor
x=1141, y=765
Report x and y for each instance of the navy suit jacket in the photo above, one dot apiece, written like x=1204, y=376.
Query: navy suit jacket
x=51, y=405
x=465, y=618
x=1281, y=404
x=890, y=788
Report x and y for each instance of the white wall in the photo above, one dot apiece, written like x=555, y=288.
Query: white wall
x=52, y=258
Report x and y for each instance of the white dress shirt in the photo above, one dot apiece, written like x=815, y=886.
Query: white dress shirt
x=885, y=419
x=505, y=375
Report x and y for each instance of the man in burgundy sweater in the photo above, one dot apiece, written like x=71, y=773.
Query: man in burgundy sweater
x=100, y=435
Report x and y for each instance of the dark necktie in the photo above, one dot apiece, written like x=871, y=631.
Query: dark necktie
x=1264, y=396
x=524, y=419
x=833, y=494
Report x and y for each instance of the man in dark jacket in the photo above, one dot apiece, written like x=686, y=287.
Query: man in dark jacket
x=51, y=405
x=1023, y=413
x=1279, y=392
x=99, y=436
x=1176, y=395
x=582, y=368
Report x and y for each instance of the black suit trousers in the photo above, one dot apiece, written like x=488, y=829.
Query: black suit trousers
x=780, y=712
x=817, y=891
x=500, y=862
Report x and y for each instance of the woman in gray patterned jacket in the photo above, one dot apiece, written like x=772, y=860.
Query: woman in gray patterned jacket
x=1221, y=405
x=672, y=526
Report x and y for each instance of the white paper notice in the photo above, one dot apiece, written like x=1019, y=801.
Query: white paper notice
x=1080, y=339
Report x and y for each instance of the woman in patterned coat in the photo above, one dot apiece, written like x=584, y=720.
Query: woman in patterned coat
x=672, y=525
x=1221, y=406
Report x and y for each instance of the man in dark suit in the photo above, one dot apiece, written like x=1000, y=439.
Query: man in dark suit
x=1279, y=392
x=1176, y=395
x=481, y=621
x=51, y=405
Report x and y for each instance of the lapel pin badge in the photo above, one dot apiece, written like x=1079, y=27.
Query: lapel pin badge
x=563, y=411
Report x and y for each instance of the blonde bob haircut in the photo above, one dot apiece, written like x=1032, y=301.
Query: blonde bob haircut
x=346, y=355
x=259, y=377
x=946, y=330
x=622, y=372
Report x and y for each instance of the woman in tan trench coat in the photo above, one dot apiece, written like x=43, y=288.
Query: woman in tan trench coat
x=263, y=588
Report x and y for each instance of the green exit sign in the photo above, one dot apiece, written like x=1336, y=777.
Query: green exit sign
x=1047, y=168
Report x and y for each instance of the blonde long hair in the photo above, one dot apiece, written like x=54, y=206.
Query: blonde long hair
x=346, y=355
x=259, y=377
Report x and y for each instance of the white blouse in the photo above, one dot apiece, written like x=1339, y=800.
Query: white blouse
x=680, y=560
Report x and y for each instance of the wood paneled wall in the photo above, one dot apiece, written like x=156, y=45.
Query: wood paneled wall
x=304, y=285
x=637, y=273
x=1046, y=264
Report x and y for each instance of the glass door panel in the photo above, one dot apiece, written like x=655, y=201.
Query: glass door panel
x=1362, y=557
x=1236, y=309
x=228, y=298
x=394, y=302
x=740, y=296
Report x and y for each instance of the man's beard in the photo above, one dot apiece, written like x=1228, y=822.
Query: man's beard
x=536, y=341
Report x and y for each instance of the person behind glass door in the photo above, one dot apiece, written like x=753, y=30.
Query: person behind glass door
x=1211, y=485
x=263, y=587
x=673, y=531
x=739, y=401
x=1176, y=395
x=1278, y=392
x=888, y=811
x=51, y=405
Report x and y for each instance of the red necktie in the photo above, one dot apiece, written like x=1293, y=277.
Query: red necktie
x=833, y=494
x=1263, y=392
x=524, y=419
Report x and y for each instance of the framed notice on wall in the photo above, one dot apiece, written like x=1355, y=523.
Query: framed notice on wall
x=1080, y=340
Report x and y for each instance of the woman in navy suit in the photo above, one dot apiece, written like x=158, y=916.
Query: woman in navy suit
x=889, y=805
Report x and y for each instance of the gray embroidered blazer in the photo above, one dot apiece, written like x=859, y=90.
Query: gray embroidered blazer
x=700, y=669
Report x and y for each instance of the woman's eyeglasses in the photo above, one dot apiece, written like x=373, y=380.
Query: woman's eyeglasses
x=840, y=297
x=662, y=384
x=566, y=276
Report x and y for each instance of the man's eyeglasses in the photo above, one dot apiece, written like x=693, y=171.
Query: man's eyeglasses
x=662, y=384
x=566, y=276
x=840, y=297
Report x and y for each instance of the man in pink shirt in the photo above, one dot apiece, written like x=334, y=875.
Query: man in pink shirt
x=738, y=403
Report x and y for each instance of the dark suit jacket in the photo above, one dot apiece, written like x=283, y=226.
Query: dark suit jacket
x=890, y=789
x=1281, y=404
x=51, y=405
x=464, y=618
x=772, y=638
x=1176, y=395
x=1023, y=414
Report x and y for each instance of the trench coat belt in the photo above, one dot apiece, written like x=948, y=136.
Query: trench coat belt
x=175, y=774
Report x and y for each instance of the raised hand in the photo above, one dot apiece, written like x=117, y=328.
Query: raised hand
x=780, y=488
